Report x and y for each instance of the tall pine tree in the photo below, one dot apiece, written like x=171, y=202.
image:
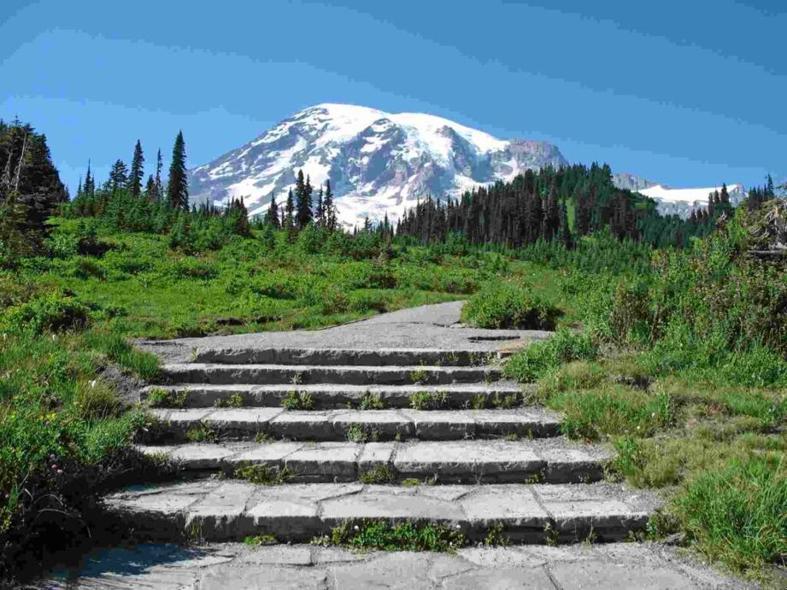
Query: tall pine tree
x=272, y=216
x=303, y=201
x=137, y=171
x=118, y=176
x=328, y=208
x=177, y=186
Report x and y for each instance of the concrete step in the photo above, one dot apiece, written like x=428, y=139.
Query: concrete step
x=307, y=374
x=217, y=510
x=211, y=424
x=332, y=396
x=488, y=461
x=345, y=356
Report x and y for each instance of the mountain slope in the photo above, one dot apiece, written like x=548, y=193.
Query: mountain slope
x=378, y=163
x=675, y=201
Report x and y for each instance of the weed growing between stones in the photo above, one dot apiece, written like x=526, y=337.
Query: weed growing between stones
x=260, y=540
x=495, y=537
x=402, y=536
x=358, y=434
x=379, y=474
x=233, y=401
x=202, y=433
x=551, y=535
x=429, y=400
x=265, y=475
x=418, y=376
x=167, y=398
x=371, y=401
x=298, y=400
x=478, y=401
x=506, y=401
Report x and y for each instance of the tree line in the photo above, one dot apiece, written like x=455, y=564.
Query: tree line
x=556, y=205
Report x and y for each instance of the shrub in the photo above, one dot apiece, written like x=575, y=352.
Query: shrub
x=505, y=305
x=52, y=311
x=535, y=360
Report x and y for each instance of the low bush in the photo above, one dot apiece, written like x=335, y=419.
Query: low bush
x=506, y=305
x=53, y=311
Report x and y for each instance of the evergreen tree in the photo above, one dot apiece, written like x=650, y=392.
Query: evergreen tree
x=272, y=216
x=150, y=189
x=89, y=188
x=328, y=208
x=289, y=216
x=158, y=194
x=137, y=171
x=177, y=185
x=118, y=176
x=303, y=201
x=318, y=214
x=30, y=188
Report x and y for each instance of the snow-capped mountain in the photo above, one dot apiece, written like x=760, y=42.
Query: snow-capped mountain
x=377, y=162
x=676, y=201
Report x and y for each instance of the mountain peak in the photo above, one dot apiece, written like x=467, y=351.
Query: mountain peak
x=378, y=163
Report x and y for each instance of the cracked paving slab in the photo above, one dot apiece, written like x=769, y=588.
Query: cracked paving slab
x=461, y=461
x=335, y=425
x=221, y=510
x=635, y=566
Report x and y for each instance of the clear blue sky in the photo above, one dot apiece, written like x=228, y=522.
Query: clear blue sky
x=689, y=93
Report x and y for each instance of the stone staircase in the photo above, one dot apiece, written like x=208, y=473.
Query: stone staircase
x=354, y=446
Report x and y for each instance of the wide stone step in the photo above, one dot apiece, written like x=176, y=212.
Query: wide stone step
x=488, y=461
x=216, y=510
x=345, y=374
x=212, y=424
x=345, y=356
x=330, y=396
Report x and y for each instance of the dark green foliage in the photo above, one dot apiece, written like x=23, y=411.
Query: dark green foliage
x=508, y=305
x=177, y=186
x=30, y=190
x=118, y=177
x=137, y=172
x=303, y=201
x=560, y=205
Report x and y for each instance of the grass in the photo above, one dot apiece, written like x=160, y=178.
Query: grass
x=167, y=398
x=378, y=475
x=690, y=408
x=715, y=448
x=262, y=474
x=536, y=360
x=298, y=400
x=428, y=400
x=403, y=536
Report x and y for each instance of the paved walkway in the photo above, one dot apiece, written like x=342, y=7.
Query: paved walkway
x=303, y=567
x=429, y=327
x=398, y=418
